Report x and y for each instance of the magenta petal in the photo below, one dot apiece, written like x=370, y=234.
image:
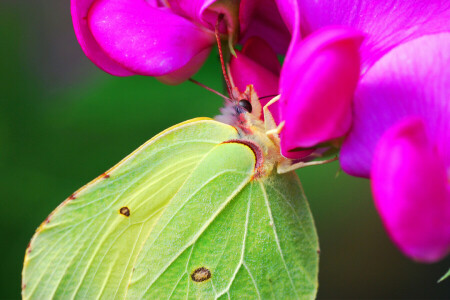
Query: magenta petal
x=148, y=40
x=386, y=23
x=260, y=52
x=273, y=11
x=411, y=191
x=317, y=84
x=192, y=9
x=206, y=12
x=245, y=71
x=412, y=79
x=262, y=18
x=79, y=10
x=290, y=13
x=256, y=64
x=197, y=10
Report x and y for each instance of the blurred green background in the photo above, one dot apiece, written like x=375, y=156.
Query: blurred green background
x=63, y=122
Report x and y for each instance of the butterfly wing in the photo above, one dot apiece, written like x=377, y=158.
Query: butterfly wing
x=87, y=242
x=262, y=245
x=199, y=226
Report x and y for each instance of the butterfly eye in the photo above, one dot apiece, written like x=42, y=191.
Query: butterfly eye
x=245, y=105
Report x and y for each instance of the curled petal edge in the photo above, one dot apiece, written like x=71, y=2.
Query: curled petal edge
x=135, y=36
x=79, y=11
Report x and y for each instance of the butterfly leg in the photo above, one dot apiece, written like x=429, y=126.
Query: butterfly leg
x=287, y=165
x=269, y=121
x=272, y=129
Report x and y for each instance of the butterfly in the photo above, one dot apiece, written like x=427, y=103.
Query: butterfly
x=206, y=209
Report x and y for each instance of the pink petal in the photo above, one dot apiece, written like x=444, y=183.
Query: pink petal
x=145, y=39
x=257, y=64
x=412, y=79
x=261, y=52
x=206, y=12
x=317, y=83
x=386, y=23
x=290, y=13
x=192, y=9
x=262, y=18
x=79, y=10
x=411, y=191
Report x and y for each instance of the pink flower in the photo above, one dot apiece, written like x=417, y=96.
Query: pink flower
x=403, y=62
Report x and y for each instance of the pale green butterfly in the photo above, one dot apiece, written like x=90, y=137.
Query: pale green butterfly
x=206, y=209
x=199, y=211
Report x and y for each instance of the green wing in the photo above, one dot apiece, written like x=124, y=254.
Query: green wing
x=87, y=238
x=180, y=217
x=262, y=245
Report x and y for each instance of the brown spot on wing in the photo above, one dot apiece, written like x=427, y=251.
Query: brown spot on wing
x=125, y=211
x=201, y=274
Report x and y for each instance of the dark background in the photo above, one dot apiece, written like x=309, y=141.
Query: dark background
x=63, y=122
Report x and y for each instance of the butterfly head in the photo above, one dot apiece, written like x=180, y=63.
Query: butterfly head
x=243, y=111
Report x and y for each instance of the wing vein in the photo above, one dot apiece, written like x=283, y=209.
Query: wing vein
x=176, y=284
x=252, y=278
x=187, y=272
x=59, y=262
x=202, y=229
x=129, y=260
x=296, y=215
x=269, y=211
x=241, y=259
x=92, y=256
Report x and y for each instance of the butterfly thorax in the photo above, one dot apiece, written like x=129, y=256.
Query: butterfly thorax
x=251, y=129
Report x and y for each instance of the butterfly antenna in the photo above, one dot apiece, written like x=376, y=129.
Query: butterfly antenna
x=209, y=89
x=219, y=45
